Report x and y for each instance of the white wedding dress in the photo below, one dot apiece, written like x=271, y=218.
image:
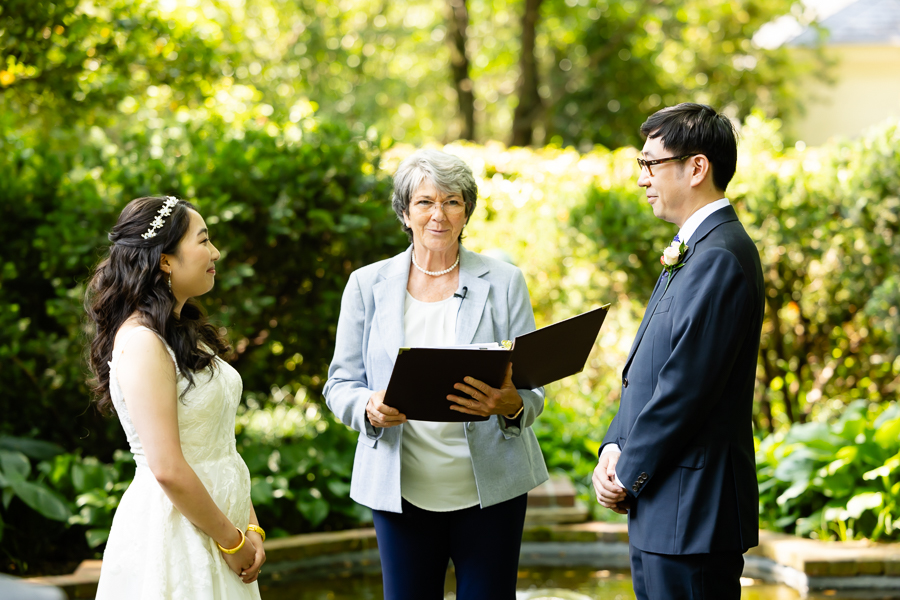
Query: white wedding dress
x=153, y=551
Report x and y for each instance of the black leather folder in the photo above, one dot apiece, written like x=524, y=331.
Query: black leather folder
x=423, y=377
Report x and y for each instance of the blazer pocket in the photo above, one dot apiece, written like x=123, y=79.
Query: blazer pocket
x=693, y=458
x=366, y=440
x=663, y=306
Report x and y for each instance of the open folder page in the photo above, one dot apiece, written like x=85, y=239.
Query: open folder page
x=423, y=377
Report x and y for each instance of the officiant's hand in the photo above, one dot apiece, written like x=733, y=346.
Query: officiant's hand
x=609, y=494
x=382, y=415
x=485, y=400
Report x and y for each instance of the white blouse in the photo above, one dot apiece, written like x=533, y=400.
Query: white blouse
x=436, y=468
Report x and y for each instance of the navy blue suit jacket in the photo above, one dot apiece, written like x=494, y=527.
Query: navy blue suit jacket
x=684, y=422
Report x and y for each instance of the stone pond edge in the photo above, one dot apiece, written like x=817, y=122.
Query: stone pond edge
x=803, y=564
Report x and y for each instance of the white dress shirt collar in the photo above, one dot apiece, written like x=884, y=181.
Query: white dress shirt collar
x=694, y=221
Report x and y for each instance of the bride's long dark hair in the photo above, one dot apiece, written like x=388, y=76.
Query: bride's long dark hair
x=129, y=281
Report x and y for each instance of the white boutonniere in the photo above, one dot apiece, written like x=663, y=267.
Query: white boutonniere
x=671, y=259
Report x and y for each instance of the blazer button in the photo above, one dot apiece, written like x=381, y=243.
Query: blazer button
x=625, y=382
x=643, y=477
x=635, y=488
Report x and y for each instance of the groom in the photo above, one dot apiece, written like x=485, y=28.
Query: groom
x=678, y=456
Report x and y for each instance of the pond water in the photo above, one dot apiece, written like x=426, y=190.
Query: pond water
x=534, y=584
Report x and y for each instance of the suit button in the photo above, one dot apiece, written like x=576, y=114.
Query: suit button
x=635, y=488
x=625, y=382
x=470, y=426
x=643, y=477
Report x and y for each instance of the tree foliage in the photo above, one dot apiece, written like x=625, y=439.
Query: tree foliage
x=633, y=58
x=579, y=72
x=69, y=61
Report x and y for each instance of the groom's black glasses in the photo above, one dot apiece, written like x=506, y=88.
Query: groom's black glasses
x=649, y=163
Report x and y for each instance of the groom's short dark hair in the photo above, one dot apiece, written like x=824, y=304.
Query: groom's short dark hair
x=697, y=128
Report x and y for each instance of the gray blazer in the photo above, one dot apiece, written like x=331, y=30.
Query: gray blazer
x=506, y=456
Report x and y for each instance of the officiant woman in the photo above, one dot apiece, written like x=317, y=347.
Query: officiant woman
x=438, y=491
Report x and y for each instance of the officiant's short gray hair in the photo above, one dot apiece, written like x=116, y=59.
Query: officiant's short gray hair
x=448, y=173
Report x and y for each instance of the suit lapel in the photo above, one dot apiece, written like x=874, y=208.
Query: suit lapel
x=390, y=301
x=471, y=268
x=723, y=215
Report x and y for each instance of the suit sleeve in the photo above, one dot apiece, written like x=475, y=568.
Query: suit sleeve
x=347, y=390
x=612, y=435
x=521, y=321
x=710, y=321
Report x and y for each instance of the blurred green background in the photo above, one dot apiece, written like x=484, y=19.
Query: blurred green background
x=283, y=121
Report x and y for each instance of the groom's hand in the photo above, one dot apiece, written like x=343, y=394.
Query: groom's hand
x=609, y=494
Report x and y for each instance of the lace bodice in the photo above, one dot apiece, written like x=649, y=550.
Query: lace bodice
x=205, y=413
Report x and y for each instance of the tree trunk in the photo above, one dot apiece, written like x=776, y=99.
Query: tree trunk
x=457, y=24
x=530, y=107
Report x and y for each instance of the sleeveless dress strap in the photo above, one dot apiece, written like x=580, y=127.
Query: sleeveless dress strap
x=131, y=333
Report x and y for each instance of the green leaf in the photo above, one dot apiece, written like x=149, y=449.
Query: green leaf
x=36, y=449
x=792, y=492
x=261, y=492
x=888, y=434
x=339, y=488
x=41, y=499
x=93, y=497
x=15, y=463
x=862, y=502
x=314, y=510
x=78, y=477
x=890, y=413
x=786, y=521
x=95, y=537
x=889, y=466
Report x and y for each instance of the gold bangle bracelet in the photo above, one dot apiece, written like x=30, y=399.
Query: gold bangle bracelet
x=236, y=548
x=518, y=412
x=257, y=529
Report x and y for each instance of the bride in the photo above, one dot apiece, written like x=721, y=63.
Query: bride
x=185, y=528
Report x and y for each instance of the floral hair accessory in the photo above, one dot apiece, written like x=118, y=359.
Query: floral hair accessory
x=671, y=259
x=158, y=222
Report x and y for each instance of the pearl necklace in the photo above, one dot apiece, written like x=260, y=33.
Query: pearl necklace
x=434, y=273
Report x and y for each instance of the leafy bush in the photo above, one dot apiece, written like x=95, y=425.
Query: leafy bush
x=300, y=458
x=293, y=210
x=834, y=481
x=18, y=480
x=34, y=512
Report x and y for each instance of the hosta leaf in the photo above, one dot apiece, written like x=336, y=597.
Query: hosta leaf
x=862, y=502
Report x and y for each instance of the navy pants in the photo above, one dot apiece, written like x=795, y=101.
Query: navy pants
x=686, y=576
x=417, y=545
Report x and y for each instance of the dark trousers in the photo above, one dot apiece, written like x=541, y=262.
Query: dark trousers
x=686, y=576
x=417, y=545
